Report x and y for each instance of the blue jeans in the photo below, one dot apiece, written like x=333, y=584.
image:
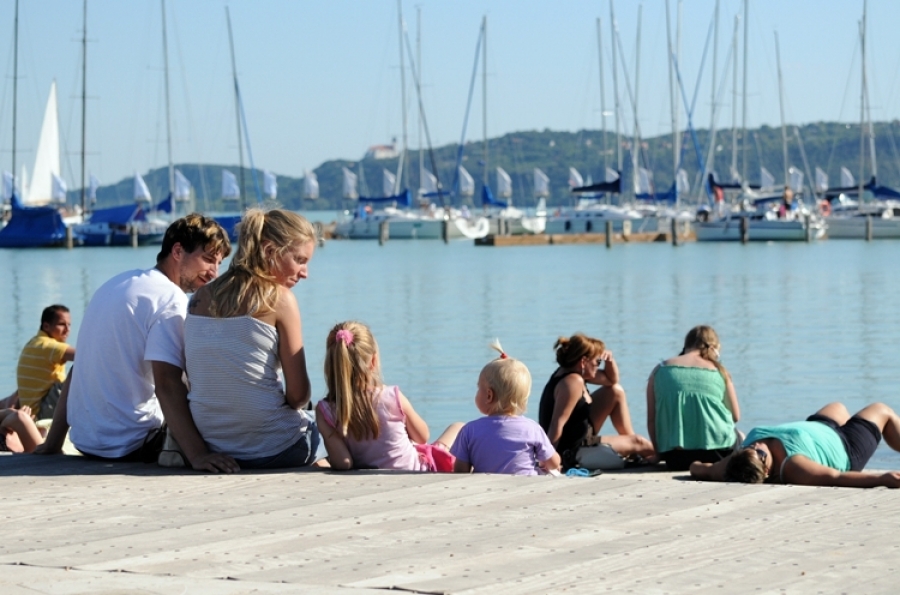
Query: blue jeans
x=299, y=454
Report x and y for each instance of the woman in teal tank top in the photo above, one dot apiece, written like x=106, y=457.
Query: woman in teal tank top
x=830, y=448
x=691, y=404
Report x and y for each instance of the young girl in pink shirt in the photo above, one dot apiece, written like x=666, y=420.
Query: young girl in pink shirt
x=366, y=424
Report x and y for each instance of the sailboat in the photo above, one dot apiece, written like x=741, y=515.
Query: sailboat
x=127, y=224
x=509, y=220
x=590, y=215
x=36, y=220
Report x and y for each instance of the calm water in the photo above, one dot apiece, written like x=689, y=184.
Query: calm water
x=800, y=324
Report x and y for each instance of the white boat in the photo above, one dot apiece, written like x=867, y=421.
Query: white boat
x=506, y=219
x=763, y=225
x=405, y=224
x=849, y=220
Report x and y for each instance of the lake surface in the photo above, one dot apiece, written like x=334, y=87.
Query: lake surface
x=800, y=324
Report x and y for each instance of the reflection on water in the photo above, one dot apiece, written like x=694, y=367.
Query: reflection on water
x=800, y=324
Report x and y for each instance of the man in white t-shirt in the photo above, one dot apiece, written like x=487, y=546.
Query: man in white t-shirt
x=131, y=357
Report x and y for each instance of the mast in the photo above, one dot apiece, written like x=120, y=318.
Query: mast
x=612, y=24
x=83, y=109
x=862, y=105
x=784, y=150
x=484, y=136
x=401, y=172
x=672, y=104
x=734, y=102
x=237, y=109
x=168, y=111
x=710, y=164
x=744, y=120
x=602, y=93
x=678, y=60
x=419, y=67
x=15, y=90
x=636, y=149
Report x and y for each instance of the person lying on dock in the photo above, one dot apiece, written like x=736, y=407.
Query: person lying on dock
x=18, y=433
x=504, y=440
x=42, y=363
x=830, y=448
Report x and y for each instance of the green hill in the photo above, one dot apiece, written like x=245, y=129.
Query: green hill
x=827, y=145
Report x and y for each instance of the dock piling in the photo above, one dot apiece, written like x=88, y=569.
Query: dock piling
x=868, y=228
x=609, y=233
x=70, y=239
x=384, y=232
x=745, y=229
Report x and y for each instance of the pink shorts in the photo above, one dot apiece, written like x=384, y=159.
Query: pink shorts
x=436, y=457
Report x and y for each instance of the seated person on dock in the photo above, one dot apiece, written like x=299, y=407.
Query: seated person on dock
x=131, y=357
x=17, y=431
x=42, y=363
x=830, y=448
x=504, y=440
x=691, y=404
x=572, y=416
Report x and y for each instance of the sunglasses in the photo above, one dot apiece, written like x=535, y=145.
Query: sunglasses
x=763, y=456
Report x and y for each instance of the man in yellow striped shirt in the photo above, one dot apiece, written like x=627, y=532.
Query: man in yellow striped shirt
x=42, y=364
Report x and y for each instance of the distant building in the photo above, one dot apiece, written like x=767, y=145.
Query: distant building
x=382, y=151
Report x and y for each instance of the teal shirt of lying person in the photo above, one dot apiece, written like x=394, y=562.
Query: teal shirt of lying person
x=691, y=410
x=815, y=441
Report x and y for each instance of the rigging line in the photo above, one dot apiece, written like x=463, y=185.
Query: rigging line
x=834, y=140
x=454, y=189
x=690, y=116
x=418, y=85
x=247, y=140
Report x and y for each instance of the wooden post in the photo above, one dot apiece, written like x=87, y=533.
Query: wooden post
x=70, y=239
x=609, y=233
x=384, y=232
x=808, y=228
x=133, y=233
x=868, y=228
x=745, y=229
x=674, y=231
x=320, y=233
x=445, y=231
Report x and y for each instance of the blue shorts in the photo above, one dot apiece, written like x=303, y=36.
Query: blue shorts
x=859, y=435
x=299, y=454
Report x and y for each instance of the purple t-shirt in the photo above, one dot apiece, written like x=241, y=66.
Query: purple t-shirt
x=510, y=444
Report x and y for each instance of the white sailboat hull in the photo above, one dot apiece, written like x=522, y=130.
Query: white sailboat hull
x=759, y=230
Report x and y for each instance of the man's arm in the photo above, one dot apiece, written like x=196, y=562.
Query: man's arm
x=803, y=471
x=710, y=471
x=172, y=395
x=56, y=437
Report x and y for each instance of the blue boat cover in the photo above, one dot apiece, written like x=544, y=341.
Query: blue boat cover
x=119, y=215
x=166, y=205
x=487, y=198
x=32, y=227
x=404, y=198
x=229, y=224
x=615, y=186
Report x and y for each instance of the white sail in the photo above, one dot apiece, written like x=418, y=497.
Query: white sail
x=682, y=185
x=766, y=180
x=23, y=183
x=93, y=185
x=611, y=175
x=575, y=179
x=182, y=186
x=7, y=186
x=270, y=184
x=388, y=183
x=230, y=188
x=466, y=183
x=847, y=180
x=644, y=181
x=735, y=176
x=541, y=184
x=46, y=161
x=141, y=192
x=428, y=182
x=821, y=180
x=796, y=179
x=310, y=185
x=59, y=189
x=504, y=183
x=350, y=181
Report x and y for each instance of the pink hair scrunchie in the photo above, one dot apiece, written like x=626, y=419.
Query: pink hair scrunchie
x=345, y=336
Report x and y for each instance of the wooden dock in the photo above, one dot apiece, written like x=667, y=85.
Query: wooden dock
x=79, y=526
x=542, y=239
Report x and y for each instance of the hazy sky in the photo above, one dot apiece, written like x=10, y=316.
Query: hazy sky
x=320, y=78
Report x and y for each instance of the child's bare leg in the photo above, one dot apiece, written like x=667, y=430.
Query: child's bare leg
x=836, y=411
x=887, y=421
x=630, y=445
x=10, y=401
x=610, y=402
x=449, y=435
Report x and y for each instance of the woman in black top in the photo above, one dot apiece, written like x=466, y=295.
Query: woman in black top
x=572, y=416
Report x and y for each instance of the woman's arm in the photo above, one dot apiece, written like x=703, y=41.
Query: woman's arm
x=731, y=400
x=651, y=408
x=609, y=375
x=297, y=389
x=710, y=471
x=565, y=396
x=339, y=456
x=415, y=425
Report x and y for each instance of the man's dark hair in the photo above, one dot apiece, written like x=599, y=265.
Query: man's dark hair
x=48, y=316
x=195, y=231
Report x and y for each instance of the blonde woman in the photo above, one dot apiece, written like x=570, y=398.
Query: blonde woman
x=240, y=330
x=692, y=405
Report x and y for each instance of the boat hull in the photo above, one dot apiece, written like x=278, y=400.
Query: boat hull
x=759, y=230
x=855, y=228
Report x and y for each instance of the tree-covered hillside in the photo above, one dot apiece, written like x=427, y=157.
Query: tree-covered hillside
x=827, y=145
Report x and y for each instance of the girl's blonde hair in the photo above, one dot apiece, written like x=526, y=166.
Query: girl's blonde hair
x=352, y=373
x=510, y=381
x=579, y=345
x=705, y=340
x=249, y=286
